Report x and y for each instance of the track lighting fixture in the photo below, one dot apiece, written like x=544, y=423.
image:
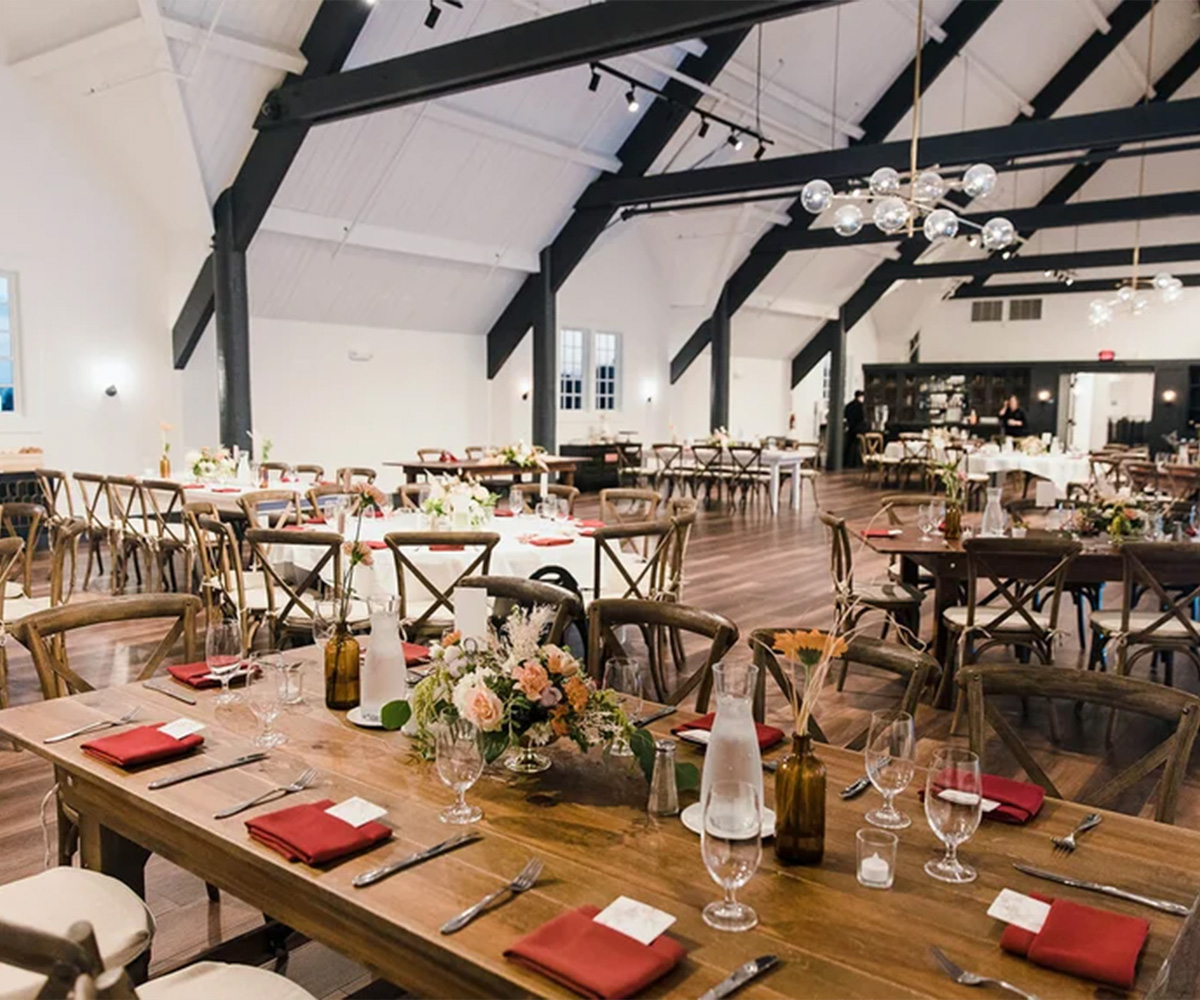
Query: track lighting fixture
x=703, y=127
x=758, y=153
x=631, y=100
x=431, y=18
x=735, y=140
x=594, y=82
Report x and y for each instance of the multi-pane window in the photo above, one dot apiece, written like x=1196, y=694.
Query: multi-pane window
x=570, y=369
x=8, y=313
x=604, y=351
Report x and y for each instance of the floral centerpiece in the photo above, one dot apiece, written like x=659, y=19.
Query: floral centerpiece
x=1119, y=519
x=164, y=459
x=1031, y=446
x=954, y=481
x=211, y=463
x=459, y=498
x=523, y=456
x=719, y=438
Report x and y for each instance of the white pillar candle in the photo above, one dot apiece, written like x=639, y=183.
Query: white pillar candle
x=875, y=870
x=544, y=485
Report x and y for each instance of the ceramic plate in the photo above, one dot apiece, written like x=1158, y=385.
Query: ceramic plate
x=691, y=818
x=355, y=715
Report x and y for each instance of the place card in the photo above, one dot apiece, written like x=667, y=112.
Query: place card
x=698, y=736
x=357, y=811
x=470, y=612
x=636, y=920
x=962, y=798
x=181, y=728
x=1019, y=910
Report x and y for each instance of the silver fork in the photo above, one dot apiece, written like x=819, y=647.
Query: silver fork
x=93, y=727
x=524, y=880
x=965, y=978
x=1066, y=845
x=305, y=779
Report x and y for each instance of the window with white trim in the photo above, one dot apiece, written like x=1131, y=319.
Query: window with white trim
x=8, y=342
x=589, y=370
x=605, y=350
x=571, y=344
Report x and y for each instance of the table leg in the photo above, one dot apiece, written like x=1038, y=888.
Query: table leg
x=104, y=851
x=945, y=594
x=568, y=478
x=775, y=488
x=796, y=484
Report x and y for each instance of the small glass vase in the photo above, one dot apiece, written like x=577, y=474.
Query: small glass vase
x=800, y=805
x=952, y=526
x=341, y=670
x=164, y=468
x=525, y=759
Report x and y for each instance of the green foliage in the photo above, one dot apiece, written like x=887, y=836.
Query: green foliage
x=687, y=776
x=395, y=714
x=494, y=744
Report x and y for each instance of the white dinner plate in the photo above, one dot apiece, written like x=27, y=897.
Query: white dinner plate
x=691, y=818
x=356, y=716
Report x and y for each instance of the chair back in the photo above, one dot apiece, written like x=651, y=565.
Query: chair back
x=348, y=475
x=631, y=558
x=660, y=625
x=628, y=505
x=708, y=459
x=64, y=545
x=629, y=460
x=56, y=492
x=896, y=504
x=409, y=495
x=870, y=447
x=163, y=501
x=1170, y=573
x=271, y=508
x=37, y=632
x=309, y=469
x=322, y=495
x=11, y=550
x=1180, y=710
x=669, y=458
x=675, y=559
x=222, y=575
x=1183, y=482
x=413, y=583
x=95, y=501
x=527, y=490
x=127, y=507
x=71, y=963
x=841, y=559
x=746, y=465
x=290, y=601
x=509, y=592
x=430, y=454
x=273, y=471
x=14, y=517
x=1142, y=475
x=475, y=452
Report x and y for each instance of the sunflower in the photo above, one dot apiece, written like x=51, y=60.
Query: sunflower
x=808, y=647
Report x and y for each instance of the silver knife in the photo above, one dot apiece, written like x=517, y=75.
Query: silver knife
x=741, y=976
x=187, y=699
x=661, y=713
x=378, y=874
x=856, y=788
x=1179, y=909
x=249, y=758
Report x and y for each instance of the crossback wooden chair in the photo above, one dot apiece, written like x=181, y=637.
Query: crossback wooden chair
x=916, y=669
x=271, y=508
x=290, y=598
x=509, y=592
x=683, y=523
x=431, y=454
x=531, y=491
x=130, y=532
x=1183, y=482
x=1180, y=710
x=273, y=472
x=63, y=552
x=316, y=472
x=746, y=474
x=1142, y=475
x=669, y=473
x=1107, y=476
x=321, y=495
x=10, y=562
x=56, y=495
x=95, y=511
x=23, y=520
x=870, y=453
x=901, y=508
x=631, y=470
x=421, y=599
x=708, y=472
x=163, y=501
x=630, y=560
x=475, y=452
x=348, y=475
x=628, y=505
x=228, y=590
x=656, y=622
x=409, y=495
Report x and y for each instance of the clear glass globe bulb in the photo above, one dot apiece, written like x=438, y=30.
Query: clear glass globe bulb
x=1140, y=304
x=940, y=224
x=848, y=220
x=1163, y=280
x=816, y=196
x=979, y=181
x=885, y=181
x=929, y=186
x=1172, y=293
x=891, y=215
x=998, y=233
x=1125, y=293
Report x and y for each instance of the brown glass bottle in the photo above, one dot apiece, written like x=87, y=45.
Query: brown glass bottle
x=800, y=805
x=341, y=670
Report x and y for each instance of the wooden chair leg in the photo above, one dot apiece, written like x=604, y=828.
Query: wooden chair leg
x=214, y=894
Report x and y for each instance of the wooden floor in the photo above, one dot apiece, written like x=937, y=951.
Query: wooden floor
x=757, y=569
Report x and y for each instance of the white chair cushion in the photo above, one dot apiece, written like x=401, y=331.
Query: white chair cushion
x=985, y=615
x=53, y=900
x=1110, y=621
x=888, y=592
x=19, y=607
x=13, y=589
x=210, y=980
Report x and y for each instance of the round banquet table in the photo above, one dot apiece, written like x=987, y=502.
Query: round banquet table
x=512, y=556
x=1058, y=469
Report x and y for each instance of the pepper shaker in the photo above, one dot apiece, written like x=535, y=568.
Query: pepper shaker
x=664, y=795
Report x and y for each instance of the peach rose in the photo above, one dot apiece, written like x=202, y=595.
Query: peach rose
x=359, y=552
x=532, y=679
x=559, y=661
x=577, y=693
x=479, y=705
x=558, y=720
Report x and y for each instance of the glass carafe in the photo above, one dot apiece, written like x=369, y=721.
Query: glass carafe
x=992, y=525
x=732, y=753
x=384, y=673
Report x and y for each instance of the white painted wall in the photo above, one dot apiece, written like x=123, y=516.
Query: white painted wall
x=91, y=279
x=758, y=397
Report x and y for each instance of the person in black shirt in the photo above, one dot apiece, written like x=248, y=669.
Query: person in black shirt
x=855, y=417
x=1012, y=418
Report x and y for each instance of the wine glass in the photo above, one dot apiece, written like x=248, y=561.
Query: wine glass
x=890, y=750
x=624, y=675
x=459, y=764
x=731, y=845
x=324, y=620
x=953, y=806
x=926, y=520
x=223, y=655
x=264, y=696
x=516, y=500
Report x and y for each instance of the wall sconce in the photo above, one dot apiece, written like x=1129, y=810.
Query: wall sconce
x=1169, y=395
x=1043, y=396
x=525, y=389
x=649, y=388
x=110, y=390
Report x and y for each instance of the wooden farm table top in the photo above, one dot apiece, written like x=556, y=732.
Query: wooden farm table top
x=586, y=819
x=486, y=467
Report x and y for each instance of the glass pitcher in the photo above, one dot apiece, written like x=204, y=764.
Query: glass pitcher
x=732, y=753
x=993, y=522
x=384, y=674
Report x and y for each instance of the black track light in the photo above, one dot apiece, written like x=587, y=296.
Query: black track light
x=594, y=82
x=758, y=153
x=735, y=140
x=703, y=127
x=631, y=100
x=432, y=17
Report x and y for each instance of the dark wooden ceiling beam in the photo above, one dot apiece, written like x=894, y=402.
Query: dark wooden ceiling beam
x=1041, y=289
x=1068, y=260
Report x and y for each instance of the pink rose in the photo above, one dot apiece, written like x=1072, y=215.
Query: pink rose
x=532, y=679
x=479, y=705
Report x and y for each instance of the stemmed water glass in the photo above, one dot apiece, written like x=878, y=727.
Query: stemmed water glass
x=459, y=763
x=324, y=620
x=265, y=697
x=926, y=520
x=731, y=845
x=953, y=806
x=890, y=753
x=624, y=675
x=223, y=655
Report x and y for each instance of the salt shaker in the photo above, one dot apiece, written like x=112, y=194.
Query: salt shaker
x=664, y=796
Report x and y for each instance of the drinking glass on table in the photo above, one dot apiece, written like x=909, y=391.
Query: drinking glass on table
x=926, y=520
x=265, y=697
x=953, y=806
x=624, y=675
x=223, y=655
x=731, y=845
x=516, y=500
x=459, y=763
x=324, y=620
x=890, y=752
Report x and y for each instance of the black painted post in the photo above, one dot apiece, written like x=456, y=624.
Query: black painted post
x=834, y=430
x=232, y=309
x=719, y=348
x=545, y=359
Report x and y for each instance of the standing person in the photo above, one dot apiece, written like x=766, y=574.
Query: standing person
x=855, y=418
x=1012, y=418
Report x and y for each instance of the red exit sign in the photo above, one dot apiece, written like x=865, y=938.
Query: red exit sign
x=1107, y=355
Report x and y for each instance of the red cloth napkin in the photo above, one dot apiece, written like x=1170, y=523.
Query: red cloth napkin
x=768, y=736
x=550, y=540
x=375, y=545
x=317, y=519
x=193, y=486
x=295, y=527
x=1019, y=801
x=504, y=512
x=881, y=533
x=414, y=654
x=1082, y=941
x=308, y=833
x=447, y=456
x=140, y=745
x=445, y=548
x=226, y=489
x=590, y=524
x=594, y=960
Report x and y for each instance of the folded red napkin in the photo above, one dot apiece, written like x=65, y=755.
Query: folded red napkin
x=375, y=545
x=415, y=654
x=447, y=456
x=768, y=736
x=140, y=745
x=316, y=519
x=308, y=833
x=193, y=486
x=548, y=540
x=1019, y=801
x=504, y=512
x=1082, y=941
x=226, y=489
x=445, y=548
x=882, y=532
x=594, y=960
x=295, y=527
x=589, y=524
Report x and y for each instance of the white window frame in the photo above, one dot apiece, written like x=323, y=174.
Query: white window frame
x=588, y=403
x=616, y=365
x=585, y=340
x=14, y=345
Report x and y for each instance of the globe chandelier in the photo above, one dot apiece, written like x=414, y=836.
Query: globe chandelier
x=1132, y=296
x=897, y=203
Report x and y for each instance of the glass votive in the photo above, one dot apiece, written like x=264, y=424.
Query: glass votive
x=876, y=857
x=1018, y=531
x=291, y=683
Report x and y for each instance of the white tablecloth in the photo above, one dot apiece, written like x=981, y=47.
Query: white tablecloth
x=1058, y=469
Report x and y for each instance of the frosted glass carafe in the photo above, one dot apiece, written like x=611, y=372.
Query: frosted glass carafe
x=384, y=674
x=992, y=525
x=732, y=753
